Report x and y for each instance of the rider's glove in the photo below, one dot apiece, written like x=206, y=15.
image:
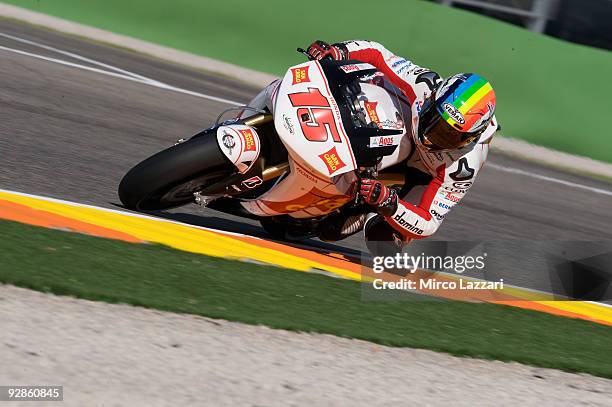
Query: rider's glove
x=376, y=194
x=320, y=49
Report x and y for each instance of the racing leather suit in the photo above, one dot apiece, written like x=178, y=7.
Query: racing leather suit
x=448, y=175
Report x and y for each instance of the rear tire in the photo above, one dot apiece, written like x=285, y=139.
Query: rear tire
x=283, y=227
x=169, y=178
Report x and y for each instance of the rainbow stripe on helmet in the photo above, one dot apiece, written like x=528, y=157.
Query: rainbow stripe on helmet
x=466, y=102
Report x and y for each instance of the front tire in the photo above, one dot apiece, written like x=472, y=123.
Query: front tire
x=169, y=178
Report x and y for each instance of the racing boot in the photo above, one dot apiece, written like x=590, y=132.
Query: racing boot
x=380, y=237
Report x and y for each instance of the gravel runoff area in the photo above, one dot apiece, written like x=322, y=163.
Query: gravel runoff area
x=119, y=355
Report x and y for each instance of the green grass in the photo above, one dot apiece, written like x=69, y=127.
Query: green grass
x=550, y=92
x=159, y=277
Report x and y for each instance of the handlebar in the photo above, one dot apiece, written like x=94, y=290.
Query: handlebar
x=303, y=51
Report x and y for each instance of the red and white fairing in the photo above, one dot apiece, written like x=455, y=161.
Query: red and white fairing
x=305, y=103
x=322, y=174
x=240, y=144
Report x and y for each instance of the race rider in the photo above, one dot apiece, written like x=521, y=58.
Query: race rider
x=452, y=124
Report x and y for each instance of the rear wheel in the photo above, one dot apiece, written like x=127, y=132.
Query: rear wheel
x=171, y=177
x=284, y=227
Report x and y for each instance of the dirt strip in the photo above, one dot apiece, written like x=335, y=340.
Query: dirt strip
x=118, y=355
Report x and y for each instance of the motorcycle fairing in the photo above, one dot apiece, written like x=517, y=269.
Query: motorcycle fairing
x=322, y=161
x=303, y=194
x=240, y=144
x=308, y=121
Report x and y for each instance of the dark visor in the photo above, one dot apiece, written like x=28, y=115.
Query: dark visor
x=437, y=134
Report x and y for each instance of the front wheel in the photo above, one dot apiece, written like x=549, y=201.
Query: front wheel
x=171, y=177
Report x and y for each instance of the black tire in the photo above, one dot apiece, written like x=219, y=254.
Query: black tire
x=285, y=228
x=169, y=178
x=275, y=228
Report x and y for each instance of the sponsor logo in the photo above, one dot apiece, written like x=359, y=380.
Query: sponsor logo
x=436, y=214
x=252, y=182
x=454, y=113
x=390, y=124
x=300, y=75
x=371, y=111
x=324, y=205
x=355, y=67
x=332, y=160
x=464, y=172
x=350, y=68
x=249, y=140
x=455, y=190
x=386, y=141
x=402, y=68
x=462, y=185
x=441, y=204
x=418, y=71
x=406, y=225
x=451, y=197
x=399, y=62
x=228, y=141
x=314, y=199
x=288, y=125
x=306, y=174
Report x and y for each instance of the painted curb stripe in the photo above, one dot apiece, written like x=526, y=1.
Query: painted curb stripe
x=182, y=237
x=562, y=309
x=25, y=214
x=137, y=228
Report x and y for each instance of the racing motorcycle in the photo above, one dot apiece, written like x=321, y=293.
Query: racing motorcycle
x=294, y=168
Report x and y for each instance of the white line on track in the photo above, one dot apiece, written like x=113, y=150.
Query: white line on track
x=123, y=74
x=549, y=179
x=79, y=57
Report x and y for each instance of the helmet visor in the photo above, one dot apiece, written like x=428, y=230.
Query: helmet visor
x=437, y=135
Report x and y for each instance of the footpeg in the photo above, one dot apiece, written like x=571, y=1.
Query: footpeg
x=202, y=200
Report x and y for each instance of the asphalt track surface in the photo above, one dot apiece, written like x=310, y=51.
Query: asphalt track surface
x=71, y=133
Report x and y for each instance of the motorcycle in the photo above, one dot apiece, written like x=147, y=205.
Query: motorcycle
x=294, y=167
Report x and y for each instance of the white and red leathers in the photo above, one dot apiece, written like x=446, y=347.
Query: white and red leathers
x=422, y=210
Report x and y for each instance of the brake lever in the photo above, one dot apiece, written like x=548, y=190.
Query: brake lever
x=358, y=201
x=310, y=58
x=303, y=51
